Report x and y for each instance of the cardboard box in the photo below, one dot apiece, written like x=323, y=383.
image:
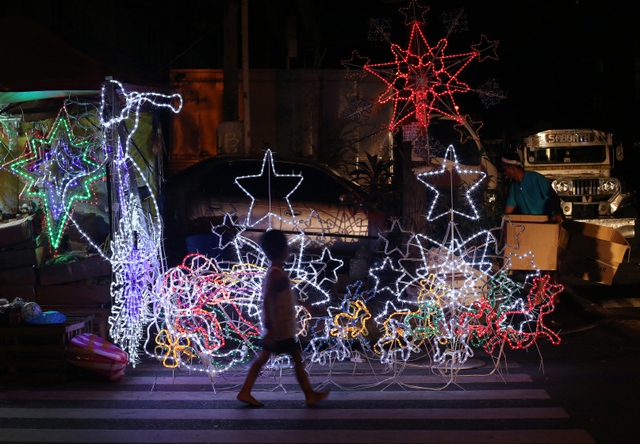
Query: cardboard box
x=18, y=276
x=533, y=237
x=42, y=240
x=10, y=259
x=91, y=267
x=593, y=252
x=16, y=230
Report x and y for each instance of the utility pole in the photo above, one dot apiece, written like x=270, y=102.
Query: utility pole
x=230, y=62
x=245, y=77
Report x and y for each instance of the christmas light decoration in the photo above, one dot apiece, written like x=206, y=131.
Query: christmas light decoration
x=137, y=258
x=451, y=160
x=514, y=321
x=442, y=296
x=217, y=307
x=343, y=327
x=59, y=170
x=447, y=297
x=190, y=294
x=264, y=180
x=424, y=79
x=208, y=313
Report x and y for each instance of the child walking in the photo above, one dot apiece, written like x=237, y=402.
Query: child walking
x=279, y=321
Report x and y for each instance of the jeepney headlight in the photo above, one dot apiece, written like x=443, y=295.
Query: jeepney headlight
x=563, y=186
x=609, y=186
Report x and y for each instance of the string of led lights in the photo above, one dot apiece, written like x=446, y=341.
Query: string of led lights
x=59, y=169
x=423, y=79
x=442, y=299
x=137, y=258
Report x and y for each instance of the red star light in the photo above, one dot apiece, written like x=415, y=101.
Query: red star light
x=422, y=79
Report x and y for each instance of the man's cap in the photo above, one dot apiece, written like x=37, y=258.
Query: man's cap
x=511, y=158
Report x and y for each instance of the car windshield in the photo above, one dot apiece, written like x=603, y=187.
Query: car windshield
x=316, y=186
x=581, y=154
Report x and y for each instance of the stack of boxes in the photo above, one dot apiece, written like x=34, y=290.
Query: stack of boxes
x=21, y=252
x=587, y=251
x=80, y=287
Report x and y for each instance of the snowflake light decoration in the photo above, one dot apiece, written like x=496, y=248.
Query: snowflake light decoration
x=379, y=30
x=358, y=111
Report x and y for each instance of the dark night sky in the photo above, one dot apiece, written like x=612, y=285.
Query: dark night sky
x=562, y=63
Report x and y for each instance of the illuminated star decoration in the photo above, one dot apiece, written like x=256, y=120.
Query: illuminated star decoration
x=445, y=300
x=354, y=66
x=59, y=170
x=325, y=268
x=451, y=158
x=192, y=293
x=414, y=12
x=264, y=180
x=466, y=134
x=423, y=79
x=486, y=49
x=442, y=297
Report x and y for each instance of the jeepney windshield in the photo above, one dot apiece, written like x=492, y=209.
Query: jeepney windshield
x=577, y=154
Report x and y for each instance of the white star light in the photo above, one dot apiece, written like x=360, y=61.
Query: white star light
x=439, y=173
x=268, y=172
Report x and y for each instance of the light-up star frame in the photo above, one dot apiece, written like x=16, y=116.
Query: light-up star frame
x=424, y=79
x=439, y=297
x=58, y=170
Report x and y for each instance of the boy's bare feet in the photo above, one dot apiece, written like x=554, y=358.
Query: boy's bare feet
x=315, y=397
x=249, y=400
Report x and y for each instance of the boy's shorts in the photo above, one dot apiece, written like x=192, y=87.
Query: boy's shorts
x=286, y=346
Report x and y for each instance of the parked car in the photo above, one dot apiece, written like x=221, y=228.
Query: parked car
x=291, y=195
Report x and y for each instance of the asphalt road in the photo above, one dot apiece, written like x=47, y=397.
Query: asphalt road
x=595, y=369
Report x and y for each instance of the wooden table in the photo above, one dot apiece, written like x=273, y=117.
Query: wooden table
x=36, y=353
